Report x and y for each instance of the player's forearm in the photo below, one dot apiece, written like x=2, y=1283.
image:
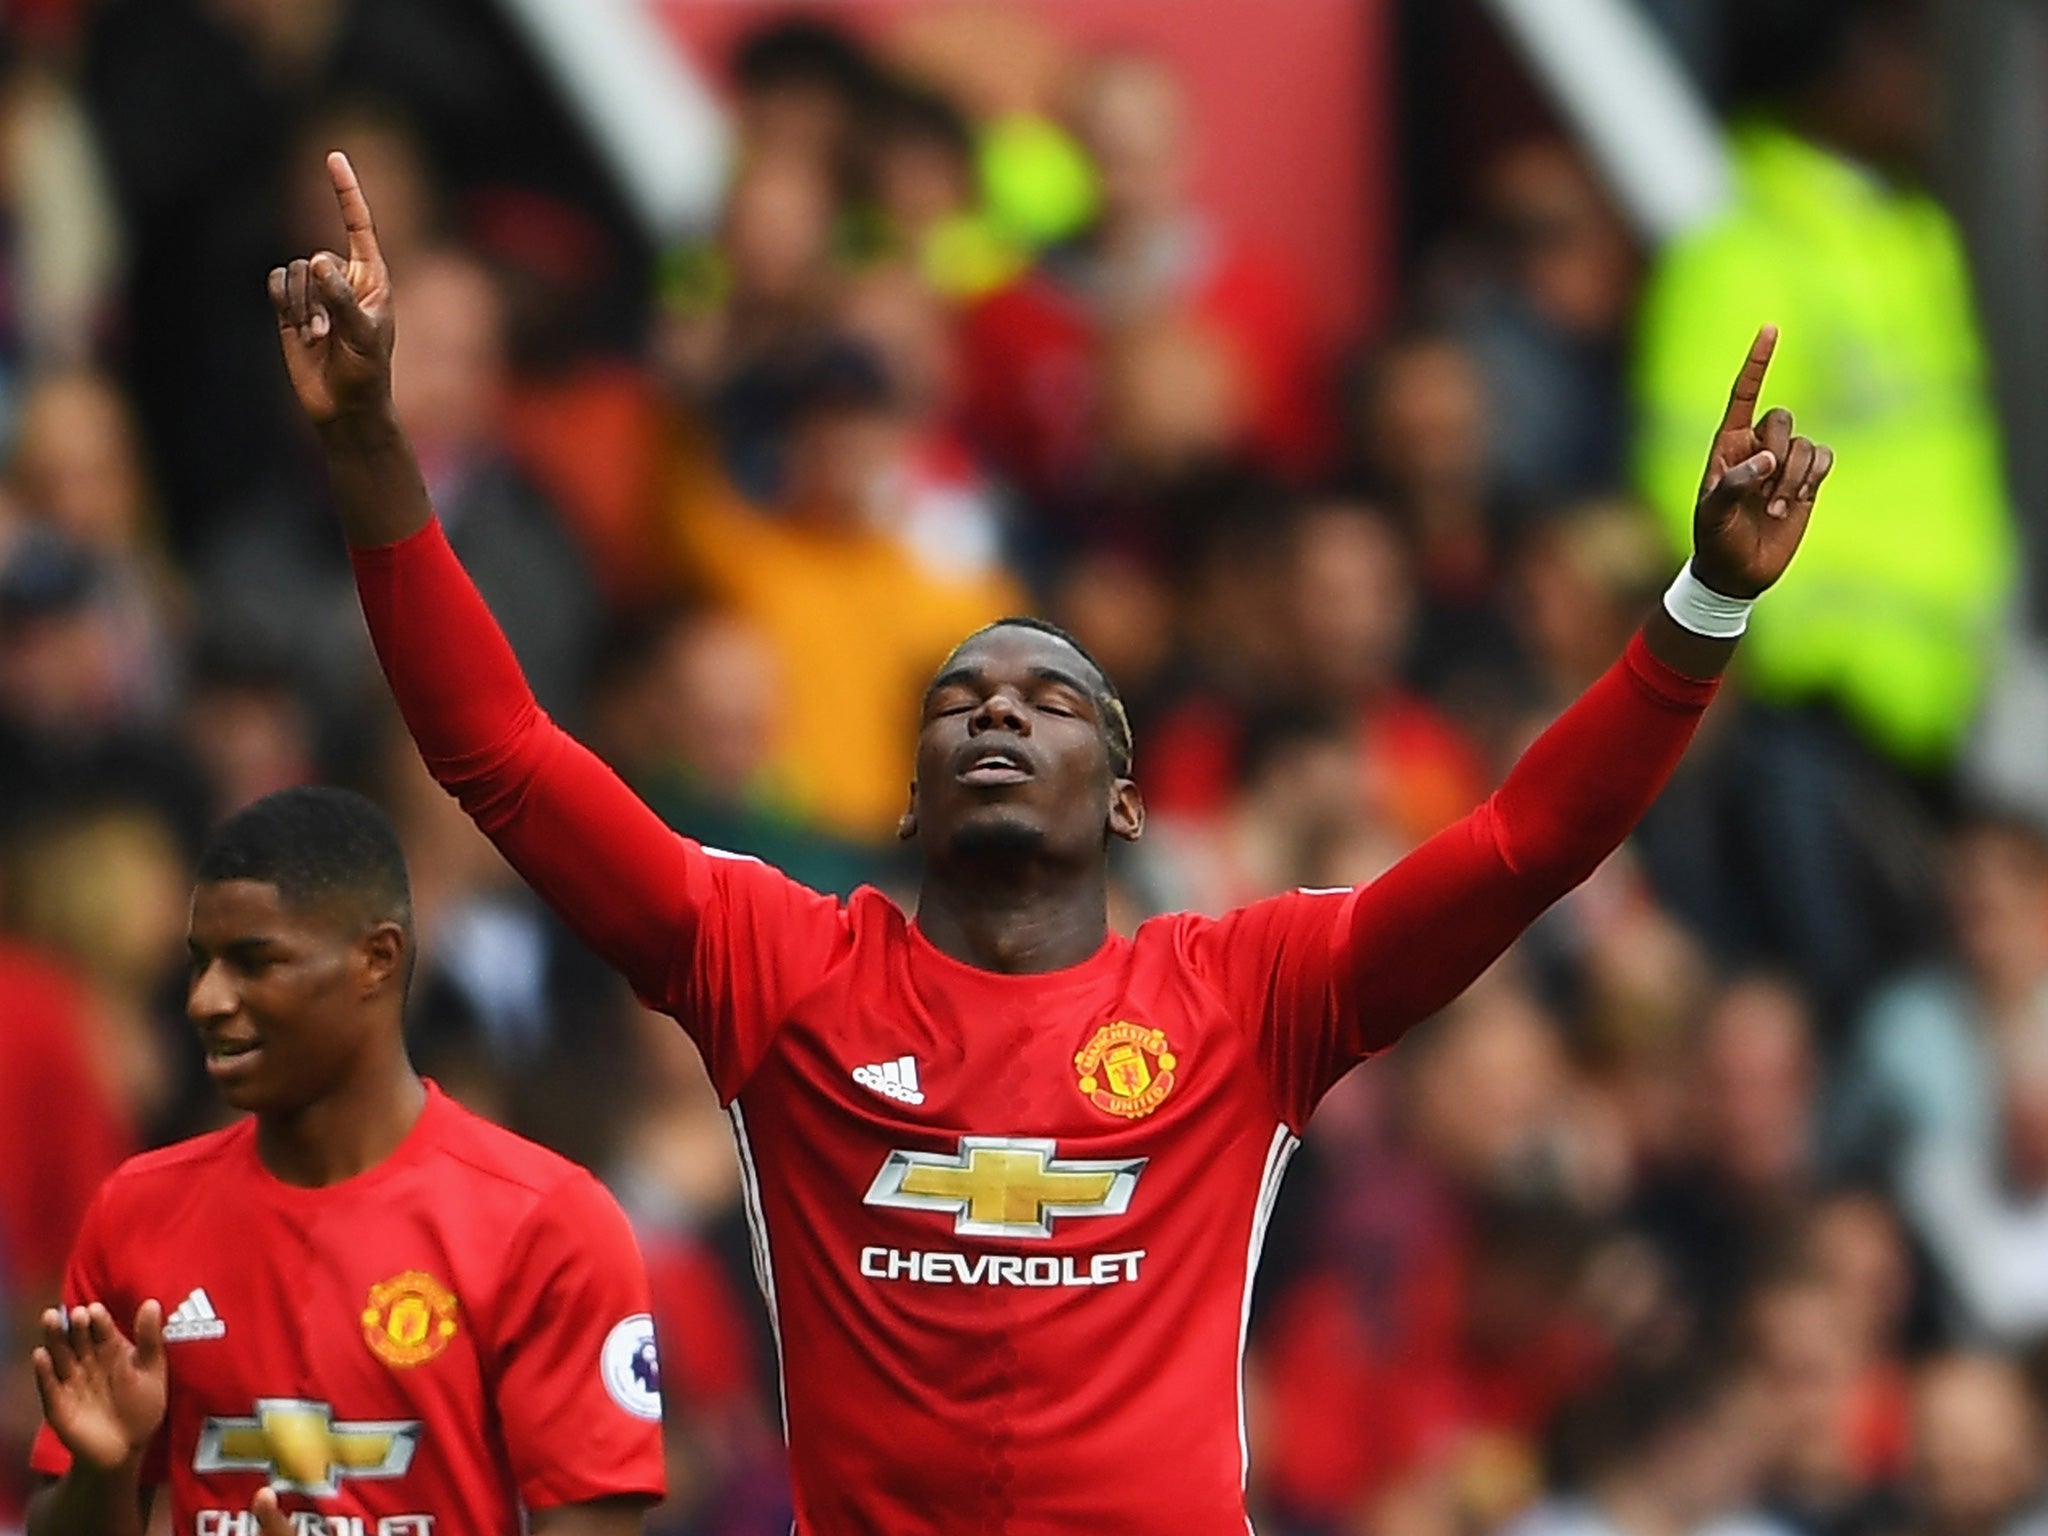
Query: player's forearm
x=1699, y=657
x=377, y=483
x=1584, y=783
x=89, y=1501
x=451, y=669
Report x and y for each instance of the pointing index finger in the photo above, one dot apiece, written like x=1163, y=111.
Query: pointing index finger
x=355, y=209
x=1749, y=384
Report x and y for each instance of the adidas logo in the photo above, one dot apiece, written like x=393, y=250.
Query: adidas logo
x=892, y=1079
x=194, y=1319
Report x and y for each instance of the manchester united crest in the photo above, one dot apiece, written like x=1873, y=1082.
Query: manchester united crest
x=409, y=1318
x=1126, y=1069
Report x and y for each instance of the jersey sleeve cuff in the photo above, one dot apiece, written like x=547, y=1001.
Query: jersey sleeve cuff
x=1665, y=684
x=377, y=556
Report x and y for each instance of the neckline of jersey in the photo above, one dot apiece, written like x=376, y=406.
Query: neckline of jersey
x=927, y=953
x=418, y=1140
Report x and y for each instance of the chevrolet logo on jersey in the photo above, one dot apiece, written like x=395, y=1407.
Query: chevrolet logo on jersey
x=303, y=1449
x=1005, y=1186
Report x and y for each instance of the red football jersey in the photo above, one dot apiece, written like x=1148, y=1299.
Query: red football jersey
x=1006, y=1224
x=462, y=1330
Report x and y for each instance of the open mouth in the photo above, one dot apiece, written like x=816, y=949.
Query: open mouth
x=996, y=766
x=229, y=1058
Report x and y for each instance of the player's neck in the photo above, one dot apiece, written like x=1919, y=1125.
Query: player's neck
x=1014, y=926
x=346, y=1132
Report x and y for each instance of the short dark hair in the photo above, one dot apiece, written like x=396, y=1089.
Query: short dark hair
x=904, y=110
x=1624, y=1419
x=320, y=847
x=1109, y=704
x=841, y=376
x=803, y=51
x=1788, y=46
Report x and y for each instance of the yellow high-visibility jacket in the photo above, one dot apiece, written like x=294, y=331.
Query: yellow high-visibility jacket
x=1891, y=609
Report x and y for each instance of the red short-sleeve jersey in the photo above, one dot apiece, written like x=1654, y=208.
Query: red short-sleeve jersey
x=461, y=1331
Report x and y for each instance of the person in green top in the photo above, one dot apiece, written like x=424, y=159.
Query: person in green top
x=1891, y=620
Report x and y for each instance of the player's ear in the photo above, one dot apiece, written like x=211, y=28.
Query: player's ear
x=380, y=957
x=906, y=824
x=1126, y=811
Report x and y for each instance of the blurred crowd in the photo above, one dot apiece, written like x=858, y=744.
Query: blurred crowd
x=1721, y=1204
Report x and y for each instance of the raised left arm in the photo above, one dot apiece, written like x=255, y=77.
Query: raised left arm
x=1423, y=932
x=1324, y=979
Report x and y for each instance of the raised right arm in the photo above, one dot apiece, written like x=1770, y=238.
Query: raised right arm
x=626, y=883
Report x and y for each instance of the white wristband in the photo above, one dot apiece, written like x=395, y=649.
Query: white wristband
x=1699, y=608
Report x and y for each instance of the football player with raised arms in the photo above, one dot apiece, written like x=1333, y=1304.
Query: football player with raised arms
x=360, y=1310
x=1008, y=1171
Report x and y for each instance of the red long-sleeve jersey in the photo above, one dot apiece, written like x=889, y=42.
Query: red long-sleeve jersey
x=1006, y=1226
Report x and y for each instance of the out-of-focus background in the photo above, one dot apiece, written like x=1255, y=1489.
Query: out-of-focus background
x=1341, y=372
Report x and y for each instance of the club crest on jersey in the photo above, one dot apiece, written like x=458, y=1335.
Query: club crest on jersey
x=409, y=1318
x=1126, y=1069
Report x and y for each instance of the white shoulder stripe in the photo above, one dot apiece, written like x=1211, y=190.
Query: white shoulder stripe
x=764, y=1259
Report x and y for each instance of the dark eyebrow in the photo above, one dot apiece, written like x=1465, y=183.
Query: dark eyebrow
x=239, y=947
x=947, y=679
x=955, y=675
x=1065, y=680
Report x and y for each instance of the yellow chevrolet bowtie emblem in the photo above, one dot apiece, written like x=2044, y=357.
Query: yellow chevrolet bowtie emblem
x=302, y=1450
x=1005, y=1186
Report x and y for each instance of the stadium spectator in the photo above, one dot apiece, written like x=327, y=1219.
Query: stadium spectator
x=1675, y=1450
x=1977, y=1466
x=948, y=513
x=920, y=178
x=1421, y=448
x=1343, y=586
x=1941, y=1095
x=738, y=330
x=449, y=395
x=685, y=709
x=1544, y=315
x=248, y=727
x=1734, y=1204
x=800, y=86
x=1826, y=1452
x=1036, y=358
x=853, y=618
x=78, y=467
x=74, y=728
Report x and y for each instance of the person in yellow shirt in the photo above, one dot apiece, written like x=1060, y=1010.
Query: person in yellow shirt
x=857, y=621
